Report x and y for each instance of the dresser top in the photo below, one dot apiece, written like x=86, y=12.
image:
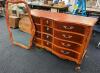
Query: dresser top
x=88, y=21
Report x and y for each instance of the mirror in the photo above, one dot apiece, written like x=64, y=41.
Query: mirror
x=20, y=25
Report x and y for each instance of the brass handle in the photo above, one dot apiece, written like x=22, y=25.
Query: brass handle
x=65, y=52
x=47, y=36
x=47, y=43
x=69, y=28
x=68, y=37
x=66, y=45
x=47, y=22
x=47, y=28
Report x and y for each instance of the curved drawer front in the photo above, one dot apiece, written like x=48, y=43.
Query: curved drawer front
x=47, y=44
x=47, y=22
x=69, y=27
x=37, y=41
x=47, y=30
x=65, y=52
x=68, y=45
x=38, y=28
x=38, y=34
x=68, y=36
x=47, y=37
x=36, y=20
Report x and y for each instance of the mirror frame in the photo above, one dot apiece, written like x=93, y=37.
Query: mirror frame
x=8, y=25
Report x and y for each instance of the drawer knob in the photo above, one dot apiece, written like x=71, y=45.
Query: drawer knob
x=66, y=45
x=69, y=28
x=65, y=52
x=68, y=37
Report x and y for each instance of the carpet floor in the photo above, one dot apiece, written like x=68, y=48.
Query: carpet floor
x=14, y=59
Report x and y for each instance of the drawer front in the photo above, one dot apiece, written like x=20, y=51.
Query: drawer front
x=47, y=44
x=65, y=52
x=68, y=45
x=36, y=20
x=47, y=22
x=69, y=27
x=47, y=37
x=69, y=36
x=38, y=34
x=38, y=27
x=37, y=41
x=47, y=30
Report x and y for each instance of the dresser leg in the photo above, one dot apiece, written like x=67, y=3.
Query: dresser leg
x=98, y=45
x=78, y=68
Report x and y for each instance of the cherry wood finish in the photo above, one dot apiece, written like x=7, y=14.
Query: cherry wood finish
x=66, y=36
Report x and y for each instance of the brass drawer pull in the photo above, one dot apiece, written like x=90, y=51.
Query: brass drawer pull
x=68, y=37
x=66, y=45
x=47, y=36
x=65, y=52
x=47, y=28
x=47, y=43
x=69, y=28
x=47, y=22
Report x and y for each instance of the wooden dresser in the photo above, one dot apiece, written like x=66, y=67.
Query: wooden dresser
x=66, y=36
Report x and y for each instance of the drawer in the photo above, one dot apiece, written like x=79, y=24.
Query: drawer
x=65, y=53
x=47, y=44
x=38, y=34
x=47, y=22
x=47, y=30
x=47, y=37
x=36, y=20
x=69, y=27
x=68, y=45
x=38, y=27
x=37, y=41
x=69, y=36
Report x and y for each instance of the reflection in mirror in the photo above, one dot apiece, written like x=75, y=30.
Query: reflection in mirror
x=20, y=24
